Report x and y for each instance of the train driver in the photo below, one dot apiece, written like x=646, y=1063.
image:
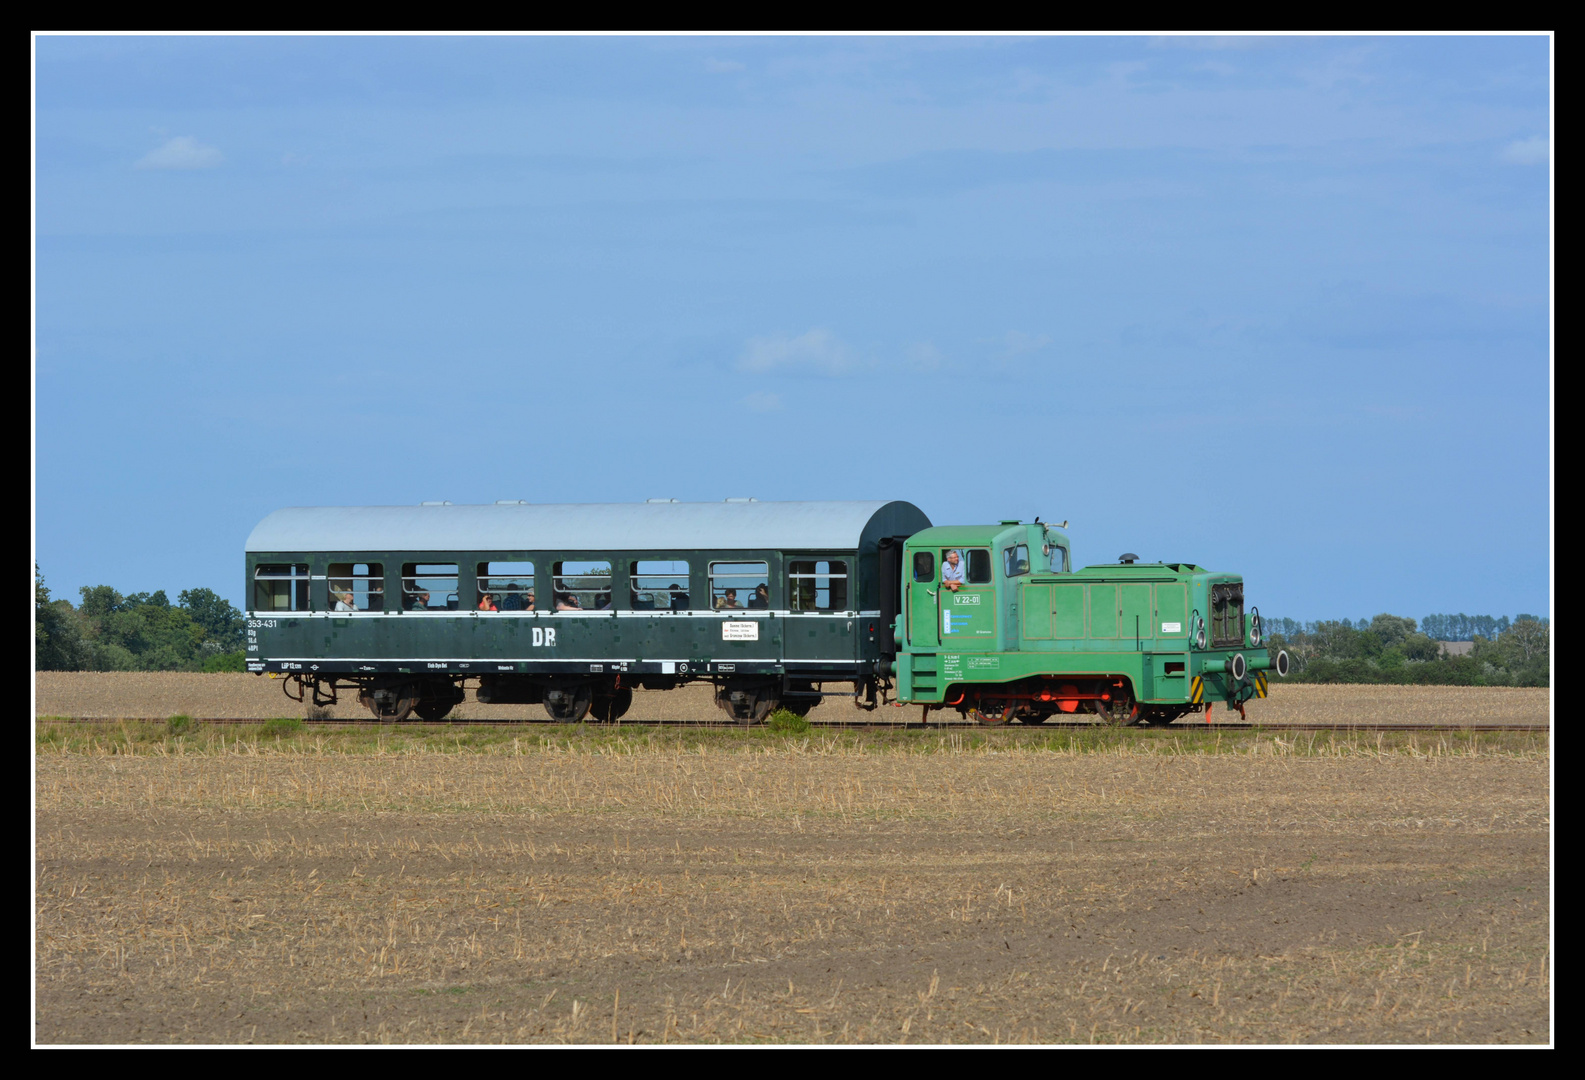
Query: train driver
x=952, y=571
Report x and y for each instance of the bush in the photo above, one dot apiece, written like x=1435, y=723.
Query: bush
x=785, y=722
x=231, y=661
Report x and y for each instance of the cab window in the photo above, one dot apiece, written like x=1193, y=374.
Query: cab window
x=1015, y=560
x=979, y=566
x=924, y=566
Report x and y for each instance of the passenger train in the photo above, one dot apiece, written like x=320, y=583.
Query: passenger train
x=573, y=607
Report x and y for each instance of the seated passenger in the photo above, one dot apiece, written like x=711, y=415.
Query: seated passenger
x=952, y=571
x=603, y=602
x=679, y=599
x=487, y=603
x=728, y=601
x=528, y=601
x=344, y=601
x=760, y=601
x=513, y=600
x=567, y=602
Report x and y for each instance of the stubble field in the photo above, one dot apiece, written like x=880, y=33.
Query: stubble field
x=556, y=884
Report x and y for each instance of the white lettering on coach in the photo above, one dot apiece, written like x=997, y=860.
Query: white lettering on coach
x=545, y=635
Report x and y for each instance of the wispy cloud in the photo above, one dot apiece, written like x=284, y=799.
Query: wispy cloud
x=761, y=402
x=181, y=152
x=1531, y=151
x=815, y=351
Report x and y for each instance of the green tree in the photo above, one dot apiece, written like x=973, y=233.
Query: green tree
x=221, y=623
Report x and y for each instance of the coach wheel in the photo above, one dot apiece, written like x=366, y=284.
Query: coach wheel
x=1120, y=710
x=608, y=708
x=746, y=702
x=434, y=710
x=992, y=712
x=569, y=704
x=391, y=703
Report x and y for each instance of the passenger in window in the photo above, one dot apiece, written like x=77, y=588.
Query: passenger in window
x=528, y=602
x=567, y=602
x=487, y=603
x=679, y=599
x=952, y=572
x=761, y=598
x=344, y=602
x=602, y=602
x=418, y=601
x=728, y=601
x=512, y=600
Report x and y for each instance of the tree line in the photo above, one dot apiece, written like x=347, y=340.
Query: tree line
x=106, y=631
x=1394, y=649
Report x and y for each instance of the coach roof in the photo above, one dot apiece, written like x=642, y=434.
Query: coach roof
x=654, y=526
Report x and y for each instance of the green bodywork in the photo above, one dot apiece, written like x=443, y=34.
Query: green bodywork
x=1133, y=621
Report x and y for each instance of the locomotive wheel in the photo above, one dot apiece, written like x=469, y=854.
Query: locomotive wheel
x=990, y=714
x=608, y=708
x=1121, y=710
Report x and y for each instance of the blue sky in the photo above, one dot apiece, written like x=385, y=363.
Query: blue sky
x=1278, y=306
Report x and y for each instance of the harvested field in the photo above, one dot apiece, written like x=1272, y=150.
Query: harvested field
x=157, y=695
x=488, y=885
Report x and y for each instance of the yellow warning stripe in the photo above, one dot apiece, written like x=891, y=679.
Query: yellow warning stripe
x=1197, y=690
x=1260, y=683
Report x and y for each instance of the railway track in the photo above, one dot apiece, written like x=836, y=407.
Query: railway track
x=958, y=725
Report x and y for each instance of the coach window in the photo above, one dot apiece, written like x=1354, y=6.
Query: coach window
x=357, y=586
x=1015, y=560
x=734, y=585
x=659, y=585
x=429, y=586
x=581, y=585
x=509, y=585
x=280, y=587
x=924, y=566
x=817, y=585
x=979, y=566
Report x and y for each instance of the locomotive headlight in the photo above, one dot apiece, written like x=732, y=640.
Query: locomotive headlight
x=1254, y=627
x=1238, y=667
x=1282, y=663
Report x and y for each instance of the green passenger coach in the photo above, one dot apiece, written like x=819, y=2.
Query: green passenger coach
x=574, y=606
x=996, y=625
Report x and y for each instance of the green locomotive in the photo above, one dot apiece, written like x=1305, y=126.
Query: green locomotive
x=997, y=625
x=573, y=607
